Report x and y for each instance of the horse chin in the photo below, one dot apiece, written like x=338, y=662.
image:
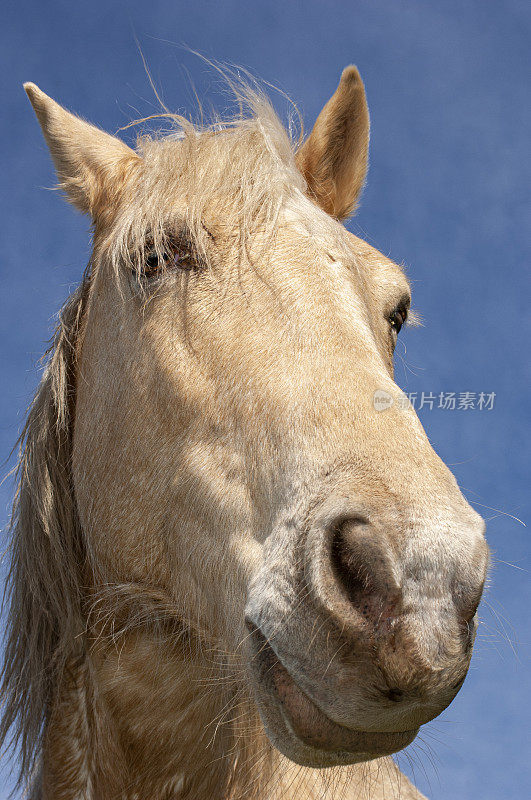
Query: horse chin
x=299, y=729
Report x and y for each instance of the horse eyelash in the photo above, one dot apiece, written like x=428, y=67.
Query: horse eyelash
x=175, y=253
x=414, y=319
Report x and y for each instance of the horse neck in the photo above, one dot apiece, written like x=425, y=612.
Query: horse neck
x=142, y=715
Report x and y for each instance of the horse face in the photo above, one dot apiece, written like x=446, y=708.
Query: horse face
x=229, y=449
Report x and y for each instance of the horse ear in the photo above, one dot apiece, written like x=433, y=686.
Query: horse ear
x=334, y=157
x=90, y=164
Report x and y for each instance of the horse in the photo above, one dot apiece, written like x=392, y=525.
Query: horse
x=235, y=573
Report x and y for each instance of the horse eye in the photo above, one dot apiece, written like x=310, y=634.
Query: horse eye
x=178, y=256
x=397, y=318
x=154, y=261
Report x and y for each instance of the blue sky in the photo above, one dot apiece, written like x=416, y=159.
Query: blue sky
x=448, y=196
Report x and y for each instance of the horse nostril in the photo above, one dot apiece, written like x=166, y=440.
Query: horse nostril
x=395, y=695
x=353, y=577
x=362, y=568
x=466, y=600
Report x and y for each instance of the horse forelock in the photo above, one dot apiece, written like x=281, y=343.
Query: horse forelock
x=234, y=177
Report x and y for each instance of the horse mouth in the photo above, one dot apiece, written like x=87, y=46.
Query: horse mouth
x=307, y=722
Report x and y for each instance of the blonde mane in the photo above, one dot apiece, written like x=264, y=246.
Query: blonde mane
x=44, y=585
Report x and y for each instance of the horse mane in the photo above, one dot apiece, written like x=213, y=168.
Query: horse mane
x=43, y=587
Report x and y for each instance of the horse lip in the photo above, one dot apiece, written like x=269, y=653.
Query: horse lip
x=323, y=733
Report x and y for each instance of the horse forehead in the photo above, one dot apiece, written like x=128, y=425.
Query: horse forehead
x=300, y=214
x=303, y=220
x=374, y=259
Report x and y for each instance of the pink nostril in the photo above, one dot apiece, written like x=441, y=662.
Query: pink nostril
x=362, y=567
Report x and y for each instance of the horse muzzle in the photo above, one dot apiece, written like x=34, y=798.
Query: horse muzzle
x=355, y=642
